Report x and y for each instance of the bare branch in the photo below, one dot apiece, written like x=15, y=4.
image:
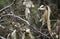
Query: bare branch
x=19, y=18
x=7, y=6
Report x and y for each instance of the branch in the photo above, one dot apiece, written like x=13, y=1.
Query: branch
x=30, y=26
x=7, y=6
x=19, y=18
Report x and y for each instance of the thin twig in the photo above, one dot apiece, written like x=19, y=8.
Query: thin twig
x=19, y=18
x=7, y=6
